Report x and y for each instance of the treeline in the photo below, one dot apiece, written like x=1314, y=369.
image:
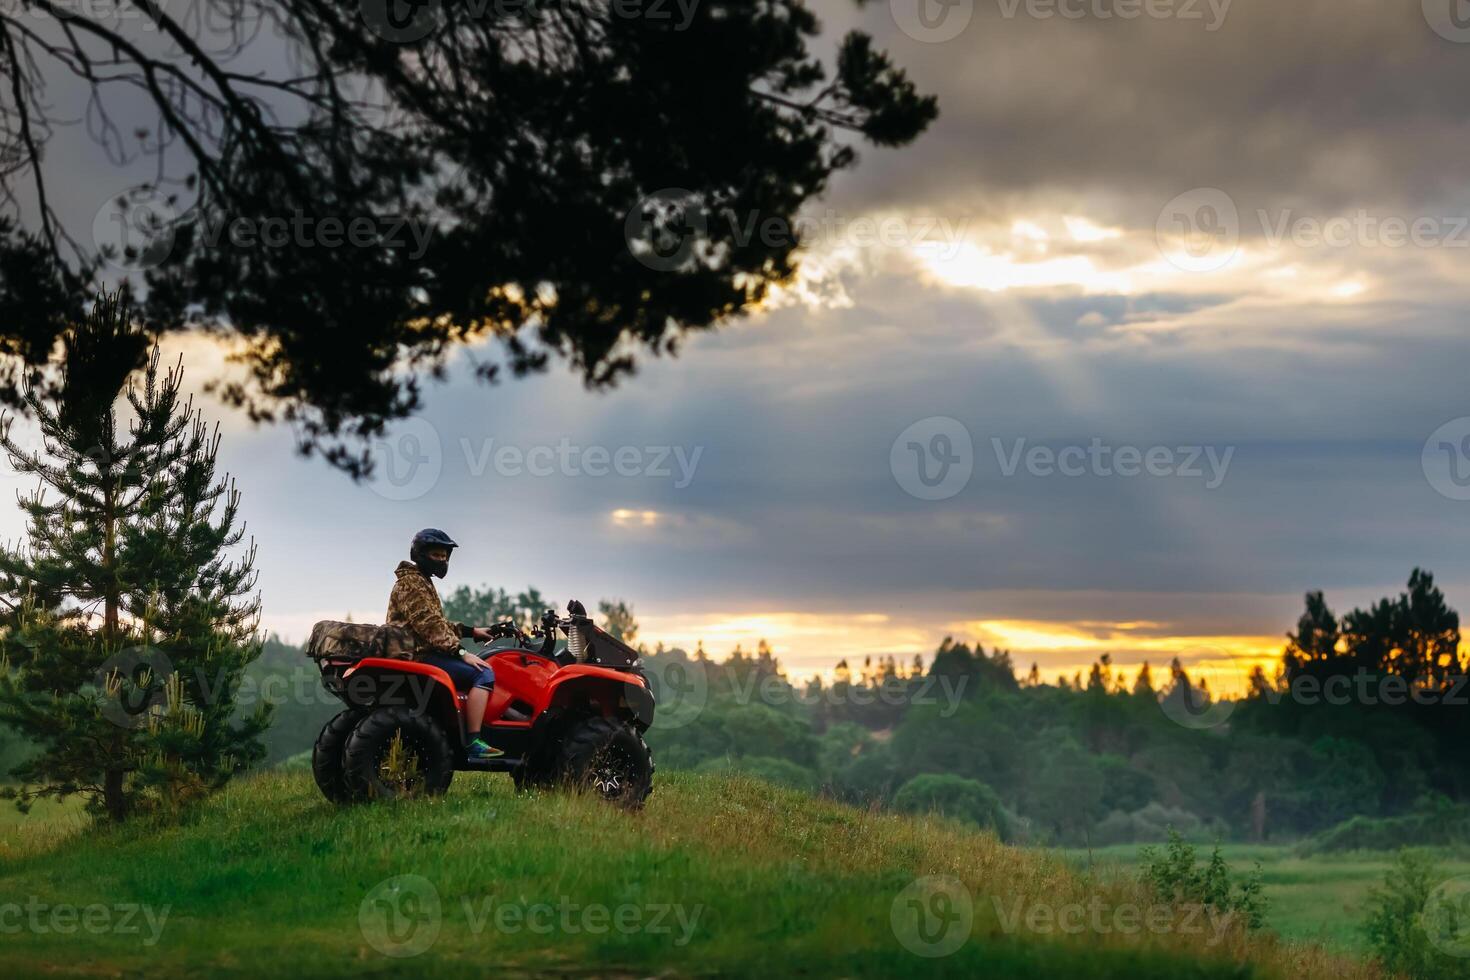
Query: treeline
x=1109, y=758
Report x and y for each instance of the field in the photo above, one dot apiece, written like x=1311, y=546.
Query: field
x=1318, y=898
x=46, y=825
x=713, y=877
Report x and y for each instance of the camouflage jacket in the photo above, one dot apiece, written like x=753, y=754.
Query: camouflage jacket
x=414, y=603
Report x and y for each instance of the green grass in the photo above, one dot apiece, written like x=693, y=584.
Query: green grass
x=1319, y=898
x=268, y=878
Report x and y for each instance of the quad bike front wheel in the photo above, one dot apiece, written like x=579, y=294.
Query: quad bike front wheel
x=326, y=756
x=609, y=758
x=394, y=753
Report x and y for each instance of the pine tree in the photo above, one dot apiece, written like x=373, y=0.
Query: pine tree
x=1315, y=639
x=1143, y=685
x=129, y=625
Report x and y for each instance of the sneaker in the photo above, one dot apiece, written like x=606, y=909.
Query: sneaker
x=480, y=751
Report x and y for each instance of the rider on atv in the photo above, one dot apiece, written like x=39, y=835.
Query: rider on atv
x=573, y=717
x=414, y=603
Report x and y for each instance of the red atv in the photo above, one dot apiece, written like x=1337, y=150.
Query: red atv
x=573, y=718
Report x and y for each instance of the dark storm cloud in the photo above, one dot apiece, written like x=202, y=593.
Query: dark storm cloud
x=1314, y=103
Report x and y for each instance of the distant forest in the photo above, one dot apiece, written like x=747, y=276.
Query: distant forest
x=1364, y=718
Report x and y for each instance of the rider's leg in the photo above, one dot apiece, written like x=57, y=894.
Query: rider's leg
x=479, y=698
x=475, y=682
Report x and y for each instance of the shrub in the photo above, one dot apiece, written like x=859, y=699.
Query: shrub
x=1397, y=918
x=870, y=776
x=1152, y=823
x=1434, y=822
x=967, y=800
x=1175, y=876
x=300, y=762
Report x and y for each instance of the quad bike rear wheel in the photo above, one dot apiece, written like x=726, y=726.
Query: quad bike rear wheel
x=326, y=756
x=394, y=753
x=609, y=758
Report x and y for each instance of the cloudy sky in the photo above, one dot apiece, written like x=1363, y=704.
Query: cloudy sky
x=1160, y=326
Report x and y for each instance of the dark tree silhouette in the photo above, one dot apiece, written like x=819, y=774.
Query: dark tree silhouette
x=1415, y=635
x=1315, y=639
x=585, y=177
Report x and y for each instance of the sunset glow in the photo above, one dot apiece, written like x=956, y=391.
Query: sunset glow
x=812, y=644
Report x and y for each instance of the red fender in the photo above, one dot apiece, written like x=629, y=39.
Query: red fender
x=454, y=718
x=403, y=667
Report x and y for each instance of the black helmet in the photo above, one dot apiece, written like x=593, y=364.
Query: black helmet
x=430, y=537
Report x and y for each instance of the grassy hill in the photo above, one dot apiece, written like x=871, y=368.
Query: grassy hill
x=719, y=875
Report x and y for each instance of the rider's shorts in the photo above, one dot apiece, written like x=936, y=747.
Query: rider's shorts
x=462, y=674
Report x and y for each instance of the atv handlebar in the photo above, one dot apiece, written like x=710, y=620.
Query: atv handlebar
x=580, y=630
x=547, y=631
x=502, y=629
